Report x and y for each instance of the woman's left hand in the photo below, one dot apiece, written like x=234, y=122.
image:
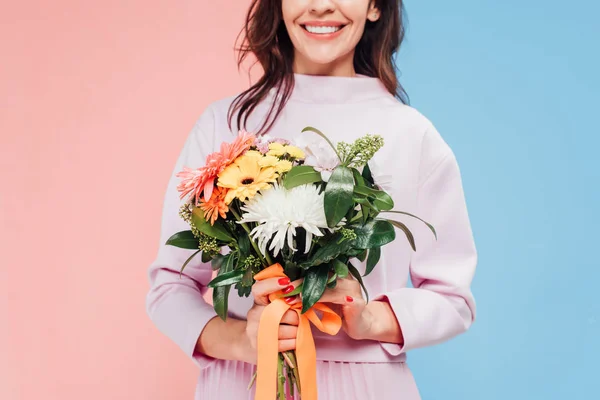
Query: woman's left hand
x=357, y=319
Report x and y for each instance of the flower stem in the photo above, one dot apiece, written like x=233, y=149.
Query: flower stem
x=296, y=374
x=266, y=263
x=280, y=378
x=252, y=380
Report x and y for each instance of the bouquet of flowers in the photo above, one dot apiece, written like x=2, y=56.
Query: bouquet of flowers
x=281, y=212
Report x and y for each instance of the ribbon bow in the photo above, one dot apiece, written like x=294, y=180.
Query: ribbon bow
x=268, y=340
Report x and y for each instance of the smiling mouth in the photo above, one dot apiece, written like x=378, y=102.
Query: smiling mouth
x=322, y=30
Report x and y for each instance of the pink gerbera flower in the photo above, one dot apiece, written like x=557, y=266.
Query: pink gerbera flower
x=197, y=181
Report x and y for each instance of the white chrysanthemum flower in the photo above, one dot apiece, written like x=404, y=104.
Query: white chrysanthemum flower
x=279, y=212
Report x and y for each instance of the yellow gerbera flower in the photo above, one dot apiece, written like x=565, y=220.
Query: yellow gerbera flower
x=295, y=152
x=279, y=150
x=245, y=177
x=253, y=153
x=268, y=161
x=276, y=149
x=283, y=166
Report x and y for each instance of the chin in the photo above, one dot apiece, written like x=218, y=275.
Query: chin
x=321, y=60
x=321, y=57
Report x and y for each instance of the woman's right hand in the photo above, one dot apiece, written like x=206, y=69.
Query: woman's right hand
x=289, y=323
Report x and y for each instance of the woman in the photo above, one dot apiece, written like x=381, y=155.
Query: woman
x=329, y=64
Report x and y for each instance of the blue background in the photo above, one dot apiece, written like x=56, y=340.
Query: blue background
x=513, y=88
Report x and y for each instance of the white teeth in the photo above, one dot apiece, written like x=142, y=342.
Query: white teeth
x=322, y=29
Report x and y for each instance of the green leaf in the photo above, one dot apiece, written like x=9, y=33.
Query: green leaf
x=338, y=195
x=362, y=255
x=409, y=235
x=301, y=175
x=341, y=269
x=373, y=259
x=366, y=173
x=332, y=282
x=187, y=262
x=374, y=233
x=227, y=278
x=356, y=275
x=184, y=240
x=217, y=230
x=221, y=300
x=318, y=132
x=217, y=261
x=292, y=270
x=243, y=290
x=381, y=199
x=358, y=178
x=330, y=249
x=354, y=252
x=221, y=293
x=244, y=245
x=367, y=208
x=206, y=257
x=244, y=287
x=414, y=216
x=314, y=284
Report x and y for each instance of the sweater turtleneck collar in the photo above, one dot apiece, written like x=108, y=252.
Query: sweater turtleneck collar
x=336, y=89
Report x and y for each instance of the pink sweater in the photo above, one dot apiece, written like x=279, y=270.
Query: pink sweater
x=416, y=166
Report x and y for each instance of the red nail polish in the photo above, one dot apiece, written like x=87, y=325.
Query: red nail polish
x=290, y=299
x=288, y=289
x=349, y=299
x=284, y=281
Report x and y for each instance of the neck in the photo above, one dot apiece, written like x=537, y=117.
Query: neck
x=327, y=89
x=343, y=66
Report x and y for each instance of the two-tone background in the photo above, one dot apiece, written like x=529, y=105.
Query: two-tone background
x=96, y=99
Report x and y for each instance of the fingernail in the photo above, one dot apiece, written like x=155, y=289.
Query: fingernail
x=284, y=281
x=288, y=289
x=290, y=299
x=349, y=299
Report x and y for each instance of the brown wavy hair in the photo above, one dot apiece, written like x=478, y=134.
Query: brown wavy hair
x=266, y=37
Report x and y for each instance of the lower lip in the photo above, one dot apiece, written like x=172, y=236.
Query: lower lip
x=323, y=36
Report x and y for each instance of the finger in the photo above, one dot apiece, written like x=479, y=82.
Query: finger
x=348, y=280
x=343, y=297
x=287, y=332
x=290, y=318
x=292, y=300
x=262, y=289
x=287, y=345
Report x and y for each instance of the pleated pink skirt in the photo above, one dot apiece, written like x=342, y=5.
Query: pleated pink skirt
x=228, y=380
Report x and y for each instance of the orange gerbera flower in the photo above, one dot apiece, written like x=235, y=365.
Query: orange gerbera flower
x=202, y=180
x=215, y=206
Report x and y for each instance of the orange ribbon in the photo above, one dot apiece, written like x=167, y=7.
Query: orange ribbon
x=268, y=340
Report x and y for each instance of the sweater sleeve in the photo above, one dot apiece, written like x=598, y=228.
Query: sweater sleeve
x=440, y=304
x=173, y=303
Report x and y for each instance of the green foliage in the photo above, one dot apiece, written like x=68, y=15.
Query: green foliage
x=357, y=154
x=221, y=293
x=217, y=231
x=183, y=240
x=314, y=285
x=301, y=175
x=375, y=233
x=341, y=268
x=338, y=195
x=357, y=276
x=329, y=249
x=373, y=259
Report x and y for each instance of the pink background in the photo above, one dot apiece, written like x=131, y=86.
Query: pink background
x=96, y=99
